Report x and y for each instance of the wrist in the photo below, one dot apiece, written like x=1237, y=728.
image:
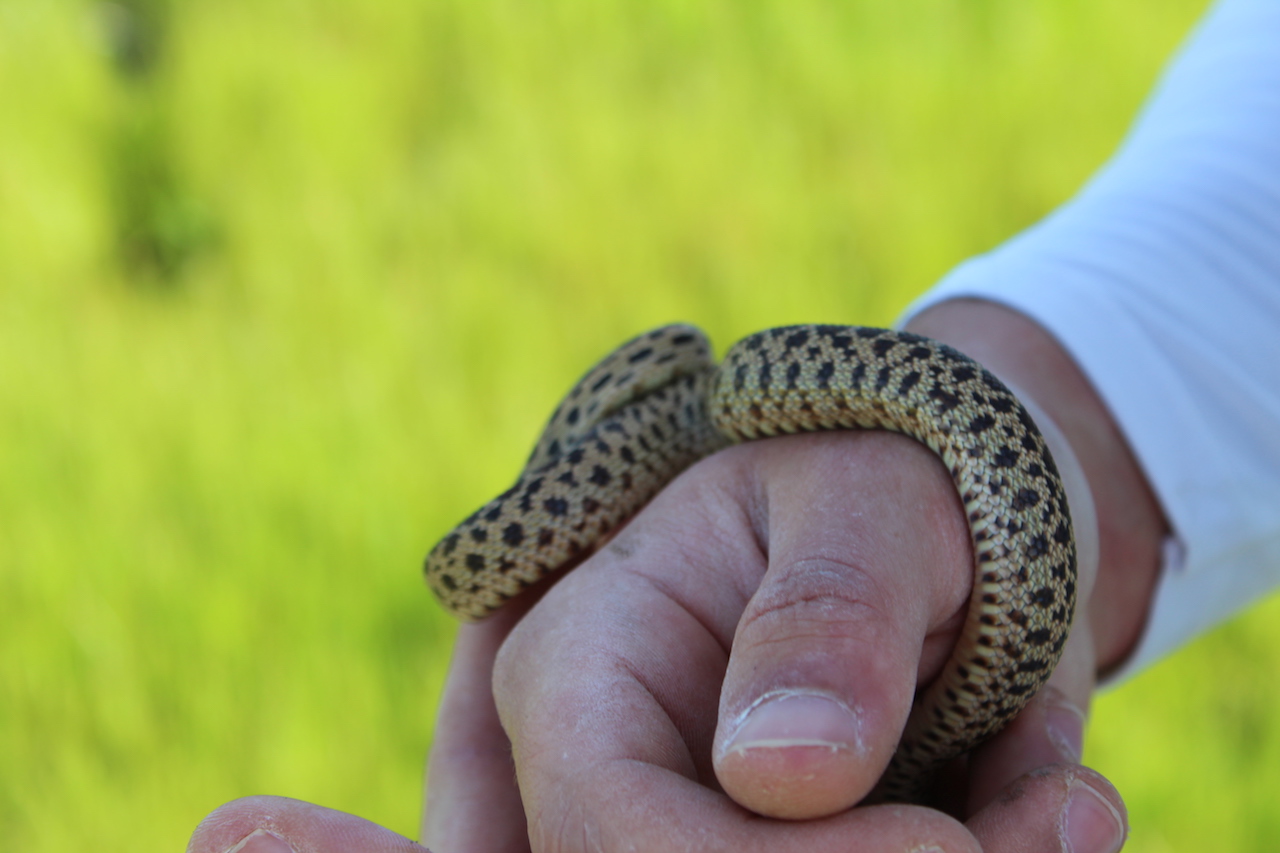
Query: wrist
x=1131, y=526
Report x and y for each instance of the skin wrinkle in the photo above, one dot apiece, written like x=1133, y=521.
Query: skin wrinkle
x=467, y=753
x=778, y=602
x=816, y=581
x=690, y=768
x=581, y=798
x=667, y=591
x=630, y=675
x=722, y=520
x=856, y=450
x=757, y=506
x=543, y=838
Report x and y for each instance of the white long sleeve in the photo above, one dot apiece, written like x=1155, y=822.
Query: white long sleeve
x=1162, y=279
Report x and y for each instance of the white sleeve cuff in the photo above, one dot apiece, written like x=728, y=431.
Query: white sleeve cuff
x=1162, y=280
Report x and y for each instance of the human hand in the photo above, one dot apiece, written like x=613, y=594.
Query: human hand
x=475, y=803
x=832, y=570
x=807, y=569
x=1022, y=814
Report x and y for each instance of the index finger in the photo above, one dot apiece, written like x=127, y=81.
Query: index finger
x=472, y=802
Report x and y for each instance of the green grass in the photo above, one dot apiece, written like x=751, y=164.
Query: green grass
x=287, y=287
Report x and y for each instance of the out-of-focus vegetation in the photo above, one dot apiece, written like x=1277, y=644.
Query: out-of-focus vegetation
x=287, y=287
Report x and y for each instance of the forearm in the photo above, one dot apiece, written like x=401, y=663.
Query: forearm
x=1150, y=301
x=1131, y=526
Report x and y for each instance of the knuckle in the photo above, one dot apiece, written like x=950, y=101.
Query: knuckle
x=816, y=594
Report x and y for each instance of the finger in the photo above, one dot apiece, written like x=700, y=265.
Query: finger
x=281, y=825
x=869, y=572
x=473, y=802
x=1057, y=809
x=609, y=689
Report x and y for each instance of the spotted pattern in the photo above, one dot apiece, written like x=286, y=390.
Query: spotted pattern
x=658, y=403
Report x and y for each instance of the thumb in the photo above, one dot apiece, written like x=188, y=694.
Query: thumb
x=281, y=825
x=869, y=571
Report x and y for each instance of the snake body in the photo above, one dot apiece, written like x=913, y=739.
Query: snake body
x=659, y=403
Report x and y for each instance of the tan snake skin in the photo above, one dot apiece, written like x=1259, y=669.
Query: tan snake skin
x=659, y=403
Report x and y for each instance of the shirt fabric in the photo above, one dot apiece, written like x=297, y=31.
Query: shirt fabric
x=1162, y=279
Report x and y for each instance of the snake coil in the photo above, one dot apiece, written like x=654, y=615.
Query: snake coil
x=659, y=403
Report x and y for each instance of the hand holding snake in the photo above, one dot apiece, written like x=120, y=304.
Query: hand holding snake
x=658, y=404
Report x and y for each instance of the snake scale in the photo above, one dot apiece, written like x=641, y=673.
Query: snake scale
x=659, y=403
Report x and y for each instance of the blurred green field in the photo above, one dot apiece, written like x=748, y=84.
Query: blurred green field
x=287, y=287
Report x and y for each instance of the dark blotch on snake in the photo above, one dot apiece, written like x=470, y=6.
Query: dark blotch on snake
x=1039, y=637
x=855, y=378
x=1044, y=596
x=981, y=424
x=798, y=339
x=766, y=375
x=945, y=399
x=1024, y=499
x=1006, y=457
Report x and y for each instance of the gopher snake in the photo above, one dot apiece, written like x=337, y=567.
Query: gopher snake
x=659, y=403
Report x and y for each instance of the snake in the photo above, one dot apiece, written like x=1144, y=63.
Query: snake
x=660, y=402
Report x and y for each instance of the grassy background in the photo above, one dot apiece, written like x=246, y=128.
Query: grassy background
x=287, y=287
